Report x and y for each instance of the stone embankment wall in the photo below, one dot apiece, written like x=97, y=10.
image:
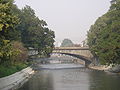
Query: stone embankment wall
x=100, y=67
x=115, y=69
x=16, y=80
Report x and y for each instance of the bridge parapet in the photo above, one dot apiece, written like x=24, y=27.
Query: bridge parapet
x=71, y=48
x=83, y=51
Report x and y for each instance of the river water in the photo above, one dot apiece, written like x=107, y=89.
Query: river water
x=76, y=78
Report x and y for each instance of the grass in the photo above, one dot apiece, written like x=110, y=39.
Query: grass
x=8, y=70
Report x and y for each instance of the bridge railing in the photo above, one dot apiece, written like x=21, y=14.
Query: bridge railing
x=84, y=51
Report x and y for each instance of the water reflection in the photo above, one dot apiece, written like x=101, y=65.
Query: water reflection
x=40, y=81
x=68, y=79
x=72, y=79
x=104, y=81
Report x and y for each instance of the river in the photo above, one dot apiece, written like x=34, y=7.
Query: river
x=76, y=78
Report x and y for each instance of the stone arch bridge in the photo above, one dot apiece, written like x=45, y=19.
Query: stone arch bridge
x=82, y=53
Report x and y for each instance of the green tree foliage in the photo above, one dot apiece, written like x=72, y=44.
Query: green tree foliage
x=67, y=43
x=22, y=26
x=17, y=27
x=34, y=32
x=22, y=54
x=6, y=52
x=104, y=36
x=8, y=20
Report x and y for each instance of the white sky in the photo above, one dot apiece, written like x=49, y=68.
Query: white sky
x=68, y=18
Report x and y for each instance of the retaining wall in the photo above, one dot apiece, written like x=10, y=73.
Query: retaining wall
x=15, y=80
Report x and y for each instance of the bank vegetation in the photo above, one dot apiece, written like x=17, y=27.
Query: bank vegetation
x=104, y=36
x=21, y=29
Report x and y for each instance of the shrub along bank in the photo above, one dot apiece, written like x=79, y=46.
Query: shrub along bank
x=8, y=70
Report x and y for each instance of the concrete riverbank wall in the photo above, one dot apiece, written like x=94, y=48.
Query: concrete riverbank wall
x=16, y=80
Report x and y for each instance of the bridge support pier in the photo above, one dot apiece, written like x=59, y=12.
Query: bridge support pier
x=87, y=63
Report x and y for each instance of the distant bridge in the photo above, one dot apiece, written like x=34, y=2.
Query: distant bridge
x=82, y=53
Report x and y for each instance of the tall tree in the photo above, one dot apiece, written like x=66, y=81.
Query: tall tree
x=35, y=32
x=104, y=36
x=8, y=20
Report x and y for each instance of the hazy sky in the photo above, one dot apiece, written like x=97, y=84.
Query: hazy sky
x=68, y=18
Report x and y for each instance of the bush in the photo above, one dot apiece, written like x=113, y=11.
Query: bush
x=22, y=55
x=13, y=52
x=21, y=66
x=13, y=57
x=6, y=71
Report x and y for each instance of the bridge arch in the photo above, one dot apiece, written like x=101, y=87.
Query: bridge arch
x=85, y=59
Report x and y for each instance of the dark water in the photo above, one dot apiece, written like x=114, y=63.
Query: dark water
x=72, y=79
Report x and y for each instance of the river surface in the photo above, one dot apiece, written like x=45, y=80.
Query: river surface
x=76, y=78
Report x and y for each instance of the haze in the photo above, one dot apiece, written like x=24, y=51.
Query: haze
x=68, y=18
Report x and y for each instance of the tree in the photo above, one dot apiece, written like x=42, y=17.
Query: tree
x=22, y=26
x=35, y=33
x=20, y=53
x=47, y=43
x=104, y=36
x=67, y=43
x=8, y=20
